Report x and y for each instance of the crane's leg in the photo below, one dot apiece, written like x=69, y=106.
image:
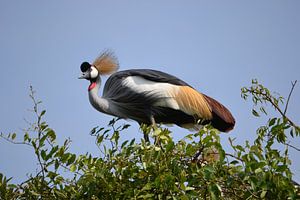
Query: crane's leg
x=154, y=126
x=145, y=132
x=153, y=122
x=146, y=136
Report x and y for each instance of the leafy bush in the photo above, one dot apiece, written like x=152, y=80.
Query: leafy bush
x=195, y=167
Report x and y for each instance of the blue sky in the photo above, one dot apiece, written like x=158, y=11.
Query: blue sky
x=215, y=46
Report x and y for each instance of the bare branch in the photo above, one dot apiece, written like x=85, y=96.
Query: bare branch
x=288, y=99
x=289, y=145
x=233, y=156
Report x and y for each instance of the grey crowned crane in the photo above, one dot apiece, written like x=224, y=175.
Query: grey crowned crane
x=149, y=96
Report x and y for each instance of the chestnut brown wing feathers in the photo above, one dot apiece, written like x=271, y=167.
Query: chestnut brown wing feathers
x=222, y=119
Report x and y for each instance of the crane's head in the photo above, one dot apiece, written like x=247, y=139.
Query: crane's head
x=89, y=72
x=105, y=64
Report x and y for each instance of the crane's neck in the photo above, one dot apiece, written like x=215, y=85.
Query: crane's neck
x=97, y=102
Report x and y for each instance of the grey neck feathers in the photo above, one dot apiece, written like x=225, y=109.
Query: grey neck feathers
x=98, y=102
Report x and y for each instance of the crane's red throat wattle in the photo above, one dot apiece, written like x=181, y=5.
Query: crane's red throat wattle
x=92, y=85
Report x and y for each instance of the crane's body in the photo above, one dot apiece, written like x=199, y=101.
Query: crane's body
x=150, y=96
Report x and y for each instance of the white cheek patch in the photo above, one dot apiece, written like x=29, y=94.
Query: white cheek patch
x=165, y=92
x=94, y=72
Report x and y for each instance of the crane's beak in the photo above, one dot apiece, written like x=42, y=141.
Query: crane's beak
x=84, y=75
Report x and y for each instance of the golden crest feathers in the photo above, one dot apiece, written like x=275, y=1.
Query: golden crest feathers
x=106, y=63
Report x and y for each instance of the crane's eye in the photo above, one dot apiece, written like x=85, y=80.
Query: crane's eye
x=85, y=66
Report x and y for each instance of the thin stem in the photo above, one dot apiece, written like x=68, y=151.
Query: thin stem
x=39, y=129
x=288, y=99
x=289, y=145
x=233, y=156
x=13, y=142
x=268, y=98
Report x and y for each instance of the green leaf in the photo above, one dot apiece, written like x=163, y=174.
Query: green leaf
x=73, y=168
x=263, y=194
x=132, y=142
x=52, y=151
x=157, y=148
x=292, y=132
x=60, y=194
x=189, y=188
x=33, y=144
x=272, y=121
x=100, y=139
x=234, y=162
x=13, y=136
x=43, y=112
x=146, y=187
x=51, y=134
x=170, y=146
x=125, y=126
x=262, y=109
x=281, y=168
x=93, y=131
x=43, y=154
x=43, y=125
x=146, y=196
x=42, y=140
x=71, y=159
x=26, y=137
x=258, y=170
x=215, y=191
x=208, y=172
x=254, y=81
x=240, y=148
x=255, y=113
x=124, y=144
x=56, y=164
x=34, y=193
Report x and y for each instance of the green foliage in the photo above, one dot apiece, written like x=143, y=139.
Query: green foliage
x=195, y=167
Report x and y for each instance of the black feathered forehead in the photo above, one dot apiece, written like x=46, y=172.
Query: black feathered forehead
x=85, y=66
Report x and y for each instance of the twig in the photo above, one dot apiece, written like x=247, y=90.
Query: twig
x=288, y=99
x=289, y=145
x=233, y=156
x=13, y=142
x=39, y=129
x=195, y=157
x=275, y=106
x=280, y=111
